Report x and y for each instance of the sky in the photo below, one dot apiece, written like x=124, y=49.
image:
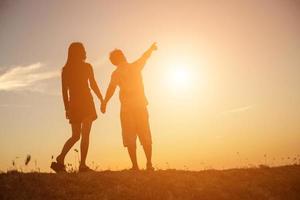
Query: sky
x=223, y=86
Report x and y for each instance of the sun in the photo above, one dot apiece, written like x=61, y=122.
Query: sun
x=182, y=76
x=179, y=77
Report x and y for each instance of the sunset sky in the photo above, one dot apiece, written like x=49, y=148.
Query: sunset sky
x=223, y=87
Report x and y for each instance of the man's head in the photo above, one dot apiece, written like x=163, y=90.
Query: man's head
x=116, y=57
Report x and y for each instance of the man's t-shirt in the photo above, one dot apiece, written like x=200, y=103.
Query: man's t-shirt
x=129, y=79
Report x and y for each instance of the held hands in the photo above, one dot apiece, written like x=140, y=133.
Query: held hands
x=103, y=107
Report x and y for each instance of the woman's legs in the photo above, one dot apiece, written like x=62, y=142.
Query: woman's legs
x=85, y=138
x=76, y=129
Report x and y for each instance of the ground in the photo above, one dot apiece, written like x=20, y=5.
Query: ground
x=255, y=183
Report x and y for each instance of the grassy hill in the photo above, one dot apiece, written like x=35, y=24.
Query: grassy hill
x=261, y=183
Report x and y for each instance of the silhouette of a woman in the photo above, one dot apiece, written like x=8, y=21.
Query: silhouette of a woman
x=77, y=79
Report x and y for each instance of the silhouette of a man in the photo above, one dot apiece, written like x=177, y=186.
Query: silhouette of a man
x=134, y=113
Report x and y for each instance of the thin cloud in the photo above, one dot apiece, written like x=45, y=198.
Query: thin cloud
x=23, y=77
x=14, y=105
x=100, y=61
x=237, y=110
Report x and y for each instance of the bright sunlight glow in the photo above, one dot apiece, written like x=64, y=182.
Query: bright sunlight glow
x=179, y=78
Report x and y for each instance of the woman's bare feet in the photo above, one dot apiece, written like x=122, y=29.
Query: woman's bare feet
x=58, y=167
x=60, y=159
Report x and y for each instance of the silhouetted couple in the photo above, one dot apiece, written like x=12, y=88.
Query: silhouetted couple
x=78, y=79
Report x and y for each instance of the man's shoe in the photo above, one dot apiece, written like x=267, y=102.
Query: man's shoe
x=134, y=169
x=150, y=167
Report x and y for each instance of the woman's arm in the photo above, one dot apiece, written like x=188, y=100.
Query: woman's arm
x=65, y=94
x=94, y=85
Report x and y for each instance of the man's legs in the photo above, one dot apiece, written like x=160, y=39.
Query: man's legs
x=128, y=135
x=148, y=153
x=132, y=154
x=85, y=138
x=144, y=131
x=76, y=129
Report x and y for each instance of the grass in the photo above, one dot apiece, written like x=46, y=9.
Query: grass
x=256, y=183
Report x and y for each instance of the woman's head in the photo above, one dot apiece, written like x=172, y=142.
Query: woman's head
x=76, y=53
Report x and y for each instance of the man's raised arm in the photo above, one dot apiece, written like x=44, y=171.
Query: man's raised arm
x=142, y=60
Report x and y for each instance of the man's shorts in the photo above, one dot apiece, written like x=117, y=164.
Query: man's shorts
x=135, y=123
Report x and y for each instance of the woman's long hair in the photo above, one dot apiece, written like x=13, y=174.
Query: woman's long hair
x=76, y=54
